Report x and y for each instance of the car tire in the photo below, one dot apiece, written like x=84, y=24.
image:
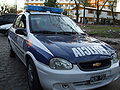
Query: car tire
x=33, y=79
x=12, y=53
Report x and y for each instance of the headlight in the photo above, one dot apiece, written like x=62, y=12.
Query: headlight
x=60, y=64
x=114, y=58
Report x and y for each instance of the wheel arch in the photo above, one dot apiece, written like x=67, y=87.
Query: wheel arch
x=28, y=56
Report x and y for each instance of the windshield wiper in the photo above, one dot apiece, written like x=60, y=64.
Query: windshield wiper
x=67, y=33
x=44, y=32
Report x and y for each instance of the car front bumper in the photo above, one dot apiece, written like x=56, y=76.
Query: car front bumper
x=74, y=79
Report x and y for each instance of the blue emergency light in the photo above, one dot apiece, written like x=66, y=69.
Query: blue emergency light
x=43, y=9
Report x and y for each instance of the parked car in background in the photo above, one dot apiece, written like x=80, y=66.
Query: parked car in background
x=7, y=18
x=4, y=28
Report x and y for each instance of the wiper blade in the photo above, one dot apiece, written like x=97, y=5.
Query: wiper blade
x=50, y=32
x=67, y=33
x=44, y=32
x=83, y=34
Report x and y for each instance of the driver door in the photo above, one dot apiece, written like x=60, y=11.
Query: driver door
x=20, y=39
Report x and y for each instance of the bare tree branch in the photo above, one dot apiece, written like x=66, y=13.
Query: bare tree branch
x=103, y=5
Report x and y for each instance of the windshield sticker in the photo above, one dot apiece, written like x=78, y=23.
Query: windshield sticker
x=82, y=51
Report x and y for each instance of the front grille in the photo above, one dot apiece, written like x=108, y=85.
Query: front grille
x=95, y=65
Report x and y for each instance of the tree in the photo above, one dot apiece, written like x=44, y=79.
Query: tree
x=7, y=9
x=85, y=3
x=13, y=9
x=77, y=3
x=99, y=7
x=112, y=6
x=51, y=3
x=4, y=9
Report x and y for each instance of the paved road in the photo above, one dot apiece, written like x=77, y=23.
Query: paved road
x=13, y=72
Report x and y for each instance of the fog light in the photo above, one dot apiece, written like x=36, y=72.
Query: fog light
x=65, y=86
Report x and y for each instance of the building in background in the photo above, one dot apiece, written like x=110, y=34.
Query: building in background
x=90, y=16
x=118, y=6
x=90, y=12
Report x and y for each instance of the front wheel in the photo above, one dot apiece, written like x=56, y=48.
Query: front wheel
x=33, y=79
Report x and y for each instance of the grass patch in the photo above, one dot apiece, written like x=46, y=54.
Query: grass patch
x=102, y=31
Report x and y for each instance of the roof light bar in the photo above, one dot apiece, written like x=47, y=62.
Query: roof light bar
x=43, y=9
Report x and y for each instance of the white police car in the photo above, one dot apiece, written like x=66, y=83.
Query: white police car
x=58, y=54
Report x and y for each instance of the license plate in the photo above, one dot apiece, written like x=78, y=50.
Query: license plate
x=97, y=78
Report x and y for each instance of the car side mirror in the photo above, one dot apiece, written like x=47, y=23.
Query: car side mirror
x=21, y=31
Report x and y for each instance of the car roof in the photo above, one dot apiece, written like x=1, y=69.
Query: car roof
x=41, y=13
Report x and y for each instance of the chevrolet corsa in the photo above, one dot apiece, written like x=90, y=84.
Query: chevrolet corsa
x=58, y=54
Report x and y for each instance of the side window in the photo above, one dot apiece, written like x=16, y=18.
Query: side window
x=16, y=23
x=20, y=22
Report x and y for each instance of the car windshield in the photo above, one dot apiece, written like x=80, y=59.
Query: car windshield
x=53, y=24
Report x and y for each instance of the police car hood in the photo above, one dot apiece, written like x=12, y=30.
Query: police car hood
x=75, y=48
